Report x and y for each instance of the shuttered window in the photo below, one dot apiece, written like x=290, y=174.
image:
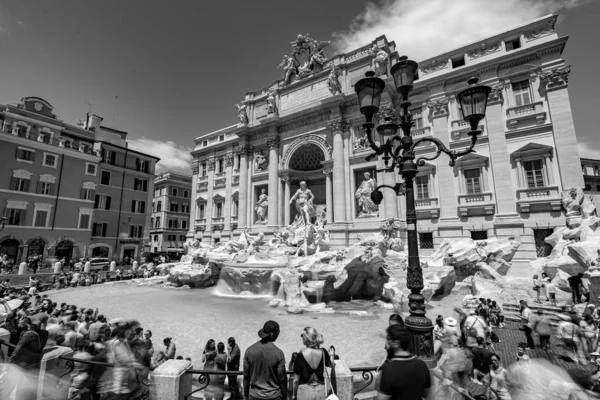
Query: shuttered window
x=534, y=173
x=422, y=186
x=473, y=180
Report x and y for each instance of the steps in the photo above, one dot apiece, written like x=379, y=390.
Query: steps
x=512, y=311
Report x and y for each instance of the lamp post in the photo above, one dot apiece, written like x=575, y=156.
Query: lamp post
x=399, y=152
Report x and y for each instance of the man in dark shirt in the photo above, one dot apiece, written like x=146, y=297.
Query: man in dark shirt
x=482, y=359
x=265, y=377
x=404, y=377
x=575, y=283
x=233, y=364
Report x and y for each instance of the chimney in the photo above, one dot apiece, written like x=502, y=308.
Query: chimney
x=93, y=122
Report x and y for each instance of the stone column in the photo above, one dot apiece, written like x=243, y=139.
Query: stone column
x=286, y=200
x=243, y=151
x=328, y=195
x=273, y=143
x=555, y=85
x=209, y=195
x=448, y=201
x=228, y=190
x=193, y=205
x=250, y=200
x=339, y=172
x=499, y=157
x=51, y=368
x=348, y=172
x=171, y=380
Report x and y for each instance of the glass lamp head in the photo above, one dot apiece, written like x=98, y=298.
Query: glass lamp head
x=473, y=102
x=369, y=91
x=404, y=72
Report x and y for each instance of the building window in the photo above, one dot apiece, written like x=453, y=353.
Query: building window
x=105, y=178
x=513, y=44
x=534, y=173
x=238, y=160
x=138, y=206
x=186, y=193
x=219, y=210
x=84, y=221
x=20, y=184
x=40, y=219
x=87, y=194
x=479, y=235
x=542, y=248
x=90, y=169
x=99, y=229
x=182, y=238
x=473, y=180
x=596, y=170
x=136, y=231
x=25, y=155
x=45, y=188
x=141, y=165
x=587, y=187
x=458, y=61
x=422, y=186
x=220, y=164
x=521, y=93
x=171, y=237
x=203, y=169
x=426, y=240
x=204, y=143
x=102, y=202
x=159, y=206
x=16, y=216
x=156, y=238
x=184, y=224
x=140, y=185
x=50, y=160
x=174, y=207
x=598, y=188
x=109, y=157
x=201, y=211
x=175, y=192
x=157, y=223
x=185, y=208
x=221, y=138
x=173, y=223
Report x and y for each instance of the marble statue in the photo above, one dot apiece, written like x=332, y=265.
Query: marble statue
x=261, y=207
x=260, y=161
x=304, y=203
x=271, y=106
x=380, y=60
x=572, y=201
x=363, y=194
x=333, y=81
x=242, y=113
x=290, y=68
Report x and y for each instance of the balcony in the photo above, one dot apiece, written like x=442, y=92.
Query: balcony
x=459, y=131
x=203, y=178
x=218, y=220
x=427, y=208
x=524, y=116
x=203, y=186
x=476, y=204
x=200, y=221
x=421, y=132
x=539, y=199
x=219, y=183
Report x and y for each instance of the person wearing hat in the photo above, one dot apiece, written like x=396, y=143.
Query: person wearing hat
x=452, y=331
x=265, y=376
x=439, y=334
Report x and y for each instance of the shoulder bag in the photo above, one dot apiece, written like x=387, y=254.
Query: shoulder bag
x=329, y=394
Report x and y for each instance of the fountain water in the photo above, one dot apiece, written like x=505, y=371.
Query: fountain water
x=247, y=279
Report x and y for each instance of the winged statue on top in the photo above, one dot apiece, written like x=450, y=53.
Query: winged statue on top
x=307, y=57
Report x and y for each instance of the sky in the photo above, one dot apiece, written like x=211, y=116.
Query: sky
x=168, y=72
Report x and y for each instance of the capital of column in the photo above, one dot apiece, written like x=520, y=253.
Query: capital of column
x=211, y=164
x=338, y=125
x=244, y=149
x=327, y=171
x=273, y=142
x=285, y=179
x=438, y=108
x=195, y=168
x=228, y=160
x=556, y=78
x=496, y=95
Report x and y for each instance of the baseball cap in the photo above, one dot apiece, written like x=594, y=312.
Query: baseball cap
x=270, y=328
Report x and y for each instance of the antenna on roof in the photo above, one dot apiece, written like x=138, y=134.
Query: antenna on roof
x=89, y=104
x=115, y=111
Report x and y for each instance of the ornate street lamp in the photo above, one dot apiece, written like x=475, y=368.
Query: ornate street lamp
x=3, y=221
x=401, y=151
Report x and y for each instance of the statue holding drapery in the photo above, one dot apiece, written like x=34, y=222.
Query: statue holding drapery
x=261, y=207
x=304, y=203
x=367, y=208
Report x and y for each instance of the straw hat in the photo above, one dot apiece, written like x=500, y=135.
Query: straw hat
x=450, y=321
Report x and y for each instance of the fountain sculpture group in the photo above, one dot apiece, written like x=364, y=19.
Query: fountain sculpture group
x=299, y=270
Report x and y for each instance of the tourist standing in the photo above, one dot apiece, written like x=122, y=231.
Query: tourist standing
x=498, y=375
x=526, y=323
x=551, y=292
x=309, y=367
x=541, y=324
x=233, y=364
x=575, y=283
x=265, y=376
x=537, y=286
x=209, y=354
x=404, y=376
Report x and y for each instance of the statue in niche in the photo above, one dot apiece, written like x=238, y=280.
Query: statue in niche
x=363, y=194
x=271, y=106
x=242, y=113
x=380, y=60
x=261, y=207
x=260, y=161
x=333, y=81
x=304, y=203
x=290, y=68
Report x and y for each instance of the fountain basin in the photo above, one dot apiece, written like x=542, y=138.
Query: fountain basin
x=248, y=278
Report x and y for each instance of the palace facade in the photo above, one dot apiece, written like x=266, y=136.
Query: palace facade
x=70, y=190
x=308, y=127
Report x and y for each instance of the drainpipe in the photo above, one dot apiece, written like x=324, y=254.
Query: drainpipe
x=121, y=204
x=62, y=162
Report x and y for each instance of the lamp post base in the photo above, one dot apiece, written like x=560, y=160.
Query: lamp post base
x=421, y=329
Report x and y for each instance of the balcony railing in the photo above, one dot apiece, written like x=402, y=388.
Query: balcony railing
x=460, y=130
x=480, y=203
x=467, y=199
x=542, y=193
x=65, y=143
x=541, y=199
x=219, y=183
x=426, y=203
x=421, y=132
x=202, y=185
x=200, y=221
x=536, y=111
x=217, y=220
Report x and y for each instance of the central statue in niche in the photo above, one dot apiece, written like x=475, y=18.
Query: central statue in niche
x=304, y=203
x=261, y=207
x=363, y=194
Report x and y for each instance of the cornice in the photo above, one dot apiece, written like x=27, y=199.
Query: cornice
x=546, y=128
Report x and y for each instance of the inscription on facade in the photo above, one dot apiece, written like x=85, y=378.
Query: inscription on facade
x=304, y=95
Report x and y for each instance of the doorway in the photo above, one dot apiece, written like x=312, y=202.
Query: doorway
x=35, y=248
x=64, y=249
x=128, y=255
x=10, y=247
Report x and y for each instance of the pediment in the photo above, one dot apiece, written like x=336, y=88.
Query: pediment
x=89, y=185
x=38, y=105
x=22, y=173
x=472, y=158
x=47, y=178
x=531, y=149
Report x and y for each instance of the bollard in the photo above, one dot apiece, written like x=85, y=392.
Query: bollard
x=58, y=267
x=113, y=266
x=88, y=267
x=171, y=381
x=134, y=266
x=22, y=268
x=51, y=368
x=344, y=381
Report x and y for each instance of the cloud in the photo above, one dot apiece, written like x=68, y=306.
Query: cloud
x=422, y=29
x=587, y=148
x=173, y=157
